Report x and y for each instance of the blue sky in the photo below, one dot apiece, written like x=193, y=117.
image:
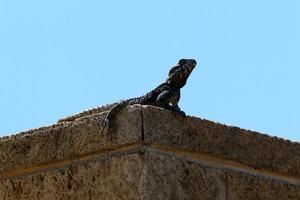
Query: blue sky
x=60, y=57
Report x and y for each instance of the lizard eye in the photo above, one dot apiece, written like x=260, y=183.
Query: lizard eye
x=182, y=62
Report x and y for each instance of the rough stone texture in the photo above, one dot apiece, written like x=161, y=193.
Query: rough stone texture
x=251, y=148
x=110, y=178
x=170, y=177
x=153, y=155
x=240, y=186
x=67, y=140
x=173, y=178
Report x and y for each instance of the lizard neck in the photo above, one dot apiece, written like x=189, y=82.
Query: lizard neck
x=175, y=85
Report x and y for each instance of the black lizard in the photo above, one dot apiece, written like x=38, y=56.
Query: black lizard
x=166, y=95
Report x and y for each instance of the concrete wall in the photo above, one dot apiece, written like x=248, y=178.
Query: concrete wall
x=153, y=155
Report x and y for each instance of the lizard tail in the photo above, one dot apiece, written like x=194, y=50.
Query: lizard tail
x=109, y=121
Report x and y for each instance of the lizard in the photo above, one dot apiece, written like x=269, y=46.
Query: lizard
x=166, y=95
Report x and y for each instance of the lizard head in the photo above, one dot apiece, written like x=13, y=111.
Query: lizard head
x=180, y=72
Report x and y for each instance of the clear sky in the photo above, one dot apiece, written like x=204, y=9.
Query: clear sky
x=61, y=57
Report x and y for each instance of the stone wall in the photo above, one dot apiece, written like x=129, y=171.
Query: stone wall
x=153, y=154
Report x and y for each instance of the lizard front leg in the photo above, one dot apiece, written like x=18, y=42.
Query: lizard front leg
x=169, y=99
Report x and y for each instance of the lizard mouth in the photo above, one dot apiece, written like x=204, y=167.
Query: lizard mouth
x=193, y=62
x=189, y=66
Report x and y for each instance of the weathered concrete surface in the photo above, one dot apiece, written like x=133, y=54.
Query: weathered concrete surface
x=153, y=155
x=106, y=178
x=171, y=175
x=251, y=148
x=67, y=141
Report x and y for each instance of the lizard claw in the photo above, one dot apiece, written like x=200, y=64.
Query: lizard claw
x=177, y=111
x=181, y=113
